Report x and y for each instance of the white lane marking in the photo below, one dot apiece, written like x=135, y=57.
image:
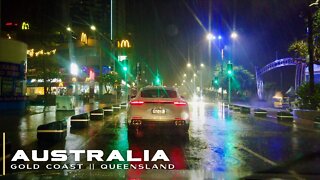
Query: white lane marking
x=267, y=160
x=258, y=156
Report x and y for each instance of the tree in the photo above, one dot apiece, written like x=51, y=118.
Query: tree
x=310, y=48
x=242, y=81
x=305, y=101
x=300, y=48
x=111, y=81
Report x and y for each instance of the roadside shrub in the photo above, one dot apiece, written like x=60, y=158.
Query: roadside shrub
x=305, y=101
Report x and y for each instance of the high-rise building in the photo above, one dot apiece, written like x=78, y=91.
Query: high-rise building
x=85, y=13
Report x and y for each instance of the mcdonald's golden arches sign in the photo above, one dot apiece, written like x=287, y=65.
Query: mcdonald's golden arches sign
x=25, y=26
x=123, y=44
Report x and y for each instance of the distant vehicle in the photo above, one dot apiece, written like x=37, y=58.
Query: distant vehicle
x=158, y=106
x=281, y=102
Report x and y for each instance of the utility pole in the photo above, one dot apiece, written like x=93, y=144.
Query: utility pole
x=310, y=49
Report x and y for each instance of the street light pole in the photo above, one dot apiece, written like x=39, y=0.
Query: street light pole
x=222, y=96
x=229, y=92
x=310, y=50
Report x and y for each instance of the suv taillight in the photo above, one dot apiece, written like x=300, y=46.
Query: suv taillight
x=180, y=103
x=136, y=102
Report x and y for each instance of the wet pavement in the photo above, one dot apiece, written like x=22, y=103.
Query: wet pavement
x=220, y=144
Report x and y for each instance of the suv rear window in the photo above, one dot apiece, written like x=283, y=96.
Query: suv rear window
x=158, y=93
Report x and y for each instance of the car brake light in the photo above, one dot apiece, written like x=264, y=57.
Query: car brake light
x=180, y=103
x=136, y=117
x=136, y=102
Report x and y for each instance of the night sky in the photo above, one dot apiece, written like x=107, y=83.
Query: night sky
x=165, y=31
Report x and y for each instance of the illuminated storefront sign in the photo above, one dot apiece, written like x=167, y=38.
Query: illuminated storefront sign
x=25, y=26
x=122, y=58
x=124, y=44
x=84, y=38
x=32, y=52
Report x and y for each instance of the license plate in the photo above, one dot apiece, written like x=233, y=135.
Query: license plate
x=158, y=111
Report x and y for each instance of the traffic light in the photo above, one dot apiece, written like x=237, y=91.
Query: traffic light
x=125, y=68
x=230, y=69
x=158, y=81
x=215, y=81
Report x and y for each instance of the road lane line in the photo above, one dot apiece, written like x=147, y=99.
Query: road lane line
x=258, y=156
x=267, y=160
x=4, y=154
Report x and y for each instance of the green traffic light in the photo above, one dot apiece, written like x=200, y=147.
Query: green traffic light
x=215, y=81
x=230, y=69
x=125, y=68
x=158, y=80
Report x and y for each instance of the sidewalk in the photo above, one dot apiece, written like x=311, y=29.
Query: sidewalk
x=22, y=128
x=272, y=112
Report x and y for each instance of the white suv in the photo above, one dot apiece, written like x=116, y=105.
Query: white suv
x=158, y=106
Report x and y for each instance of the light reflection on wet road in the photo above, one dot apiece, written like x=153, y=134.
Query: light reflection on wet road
x=228, y=144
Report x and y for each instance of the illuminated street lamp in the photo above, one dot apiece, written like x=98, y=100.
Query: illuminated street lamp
x=184, y=75
x=234, y=35
x=92, y=27
x=189, y=65
x=210, y=36
x=69, y=29
x=202, y=65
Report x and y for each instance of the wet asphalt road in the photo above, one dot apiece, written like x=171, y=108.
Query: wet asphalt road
x=220, y=142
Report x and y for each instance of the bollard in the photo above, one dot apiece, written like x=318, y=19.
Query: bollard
x=244, y=110
x=260, y=113
x=54, y=131
x=123, y=105
x=236, y=108
x=108, y=110
x=317, y=121
x=97, y=114
x=80, y=121
x=283, y=115
x=116, y=107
